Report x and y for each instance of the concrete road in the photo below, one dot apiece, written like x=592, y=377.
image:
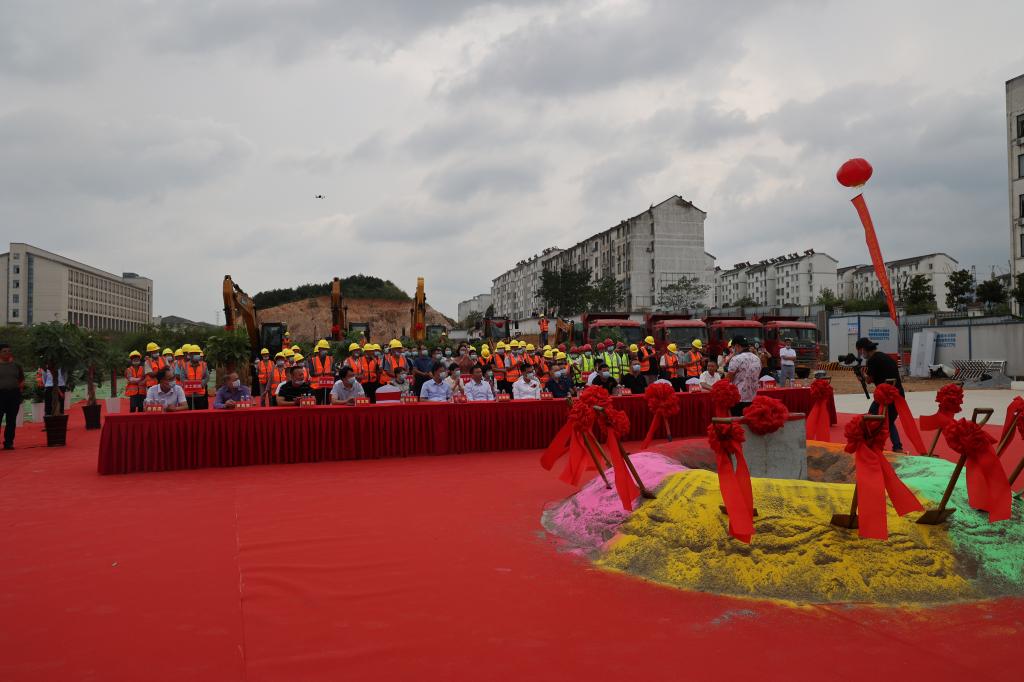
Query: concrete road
x=923, y=402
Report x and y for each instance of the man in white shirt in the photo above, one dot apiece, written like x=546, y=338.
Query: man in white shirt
x=526, y=387
x=787, y=363
x=477, y=388
x=710, y=376
x=435, y=390
x=167, y=392
x=346, y=389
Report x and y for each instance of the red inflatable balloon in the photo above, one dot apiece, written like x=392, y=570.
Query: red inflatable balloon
x=854, y=173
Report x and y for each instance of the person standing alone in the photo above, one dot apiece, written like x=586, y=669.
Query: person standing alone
x=12, y=382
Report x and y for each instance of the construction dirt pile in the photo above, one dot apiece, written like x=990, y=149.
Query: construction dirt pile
x=311, y=318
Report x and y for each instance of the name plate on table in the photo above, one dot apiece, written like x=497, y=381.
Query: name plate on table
x=625, y=391
x=153, y=407
x=460, y=398
x=504, y=397
x=410, y=399
x=305, y=401
x=192, y=386
x=362, y=400
x=546, y=395
x=244, y=404
x=324, y=382
x=693, y=388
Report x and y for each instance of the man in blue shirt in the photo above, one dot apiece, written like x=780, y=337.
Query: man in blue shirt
x=560, y=384
x=436, y=390
x=230, y=393
x=422, y=365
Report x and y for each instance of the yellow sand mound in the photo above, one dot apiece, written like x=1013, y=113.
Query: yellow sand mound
x=681, y=539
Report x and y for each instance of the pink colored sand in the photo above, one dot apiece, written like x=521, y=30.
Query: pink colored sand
x=588, y=519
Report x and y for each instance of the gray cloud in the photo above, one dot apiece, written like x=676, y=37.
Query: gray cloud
x=462, y=181
x=622, y=175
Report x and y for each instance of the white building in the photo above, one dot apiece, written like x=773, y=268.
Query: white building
x=1015, y=154
x=477, y=304
x=39, y=286
x=791, y=279
x=860, y=282
x=514, y=293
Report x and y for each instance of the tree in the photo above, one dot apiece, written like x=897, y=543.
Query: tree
x=231, y=351
x=745, y=302
x=874, y=303
x=991, y=292
x=683, y=294
x=1017, y=294
x=606, y=294
x=828, y=299
x=959, y=288
x=490, y=311
x=354, y=286
x=59, y=347
x=918, y=296
x=566, y=291
x=472, y=321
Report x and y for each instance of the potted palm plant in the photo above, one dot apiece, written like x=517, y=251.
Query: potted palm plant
x=112, y=360
x=59, y=348
x=93, y=348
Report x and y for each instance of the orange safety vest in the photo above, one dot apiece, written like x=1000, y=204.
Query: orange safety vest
x=512, y=373
x=389, y=368
x=671, y=365
x=263, y=369
x=322, y=368
x=542, y=371
x=499, y=367
x=134, y=373
x=543, y=324
x=693, y=365
x=159, y=365
x=371, y=369
x=645, y=355
x=195, y=373
x=357, y=366
x=278, y=375
x=286, y=344
x=40, y=380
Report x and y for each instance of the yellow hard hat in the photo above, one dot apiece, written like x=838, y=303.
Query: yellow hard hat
x=485, y=347
x=473, y=348
x=298, y=358
x=322, y=343
x=179, y=353
x=500, y=346
x=650, y=340
x=548, y=354
x=672, y=348
x=697, y=343
x=150, y=347
x=288, y=352
x=280, y=355
x=485, y=353
x=264, y=351
x=196, y=348
x=353, y=346
x=367, y=346
x=376, y=346
x=167, y=351
x=394, y=343
x=530, y=347
x=633, y=348
x=295, y=348
x=547, y=346
x=560, y=356
x=135, y=354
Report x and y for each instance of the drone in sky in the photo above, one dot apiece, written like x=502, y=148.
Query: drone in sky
x=319, y=196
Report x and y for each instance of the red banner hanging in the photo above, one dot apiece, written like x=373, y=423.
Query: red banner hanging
x=876, y=254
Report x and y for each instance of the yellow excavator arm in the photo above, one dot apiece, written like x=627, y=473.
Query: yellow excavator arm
x=238, y=306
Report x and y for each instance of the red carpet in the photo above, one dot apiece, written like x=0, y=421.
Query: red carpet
x=429, y=568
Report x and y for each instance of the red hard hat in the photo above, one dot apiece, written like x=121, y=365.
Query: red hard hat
x=574, y=349
x=587, y=347
x=607, y=342
x=561, y=347
x=620, y=344
x=600, y=346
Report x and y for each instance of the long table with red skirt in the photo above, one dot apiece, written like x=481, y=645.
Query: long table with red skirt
x=217, y=438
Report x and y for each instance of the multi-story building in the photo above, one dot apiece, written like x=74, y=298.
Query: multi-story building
x=844, y=281
x=792, y=279
x=1015, y=153
x=514, y=293
x=477, y=304
x=39, y=286
x=860, y=282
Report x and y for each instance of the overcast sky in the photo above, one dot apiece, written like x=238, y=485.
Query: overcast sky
x=186, y=139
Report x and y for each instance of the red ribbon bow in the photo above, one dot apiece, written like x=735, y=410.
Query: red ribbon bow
x=663, y=403
x=819, y=422
x=725, y=440
x=765, y=415
x=887, y=394
x=987, y=487
x=724, y=395
x=1014, y=409
x=951, y=400
x=875, y=479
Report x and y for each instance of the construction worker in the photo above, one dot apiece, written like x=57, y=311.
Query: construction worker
x=264, y=365
x=513, y=364
x=179, y=361
x=289, y=357
x=586, y=366
x=544, y=367
x=499, y=366
x=322, y=372
x=154, y=363
x=606, y=354
x=278, y=375
x=298, y=351
x=693, y=360
x=355, y=361
x=197, y=374
x=543, y=325
x=371, y=370
x=648, y=357
x=168, y=357
x=670, y=367
x=135, y=378
x=287, y=342
x=393, y=362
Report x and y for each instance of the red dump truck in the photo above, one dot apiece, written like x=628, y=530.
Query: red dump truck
x=599, y=326
x=721, y=330
x=805, y=341
x=681, y=330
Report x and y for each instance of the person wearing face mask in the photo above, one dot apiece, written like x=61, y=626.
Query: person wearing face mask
x=230, y=393
x=135, y=378
x=464, y=360
x=879, y=368
x=278, y=375
x=263, y=367
x=513, y=363
x=153, y=364
x=498, y=366
x=168, y=358
x=197, y=373
x=355, y=361
x=586, y=366
x=454, y=379
x=560, y=384
x=346, y=388
x=167, y=392
x=371, y=371
x=296, y=387
x=436, y=390
x=477, y=389
x=399, y=382
x=422, y=366
x=545, y=367
x=393, y=362
x=603, y=378
x=670, y=367
x=635, y=380
x=321, y=368
x=527, y=386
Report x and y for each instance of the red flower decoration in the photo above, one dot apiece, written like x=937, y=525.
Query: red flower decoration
x=886, y=394
x=718, y=434
x=821, y=390
x=724, y=395
x=854, y=432
x=765, y=415
x=662, y=400
x=854, y=173
x=965, y=436
x=950, y=398
x=619, y=422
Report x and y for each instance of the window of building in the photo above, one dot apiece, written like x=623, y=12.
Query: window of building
x=1020, y=206
x=1020, y=165
x=15, y=313
x=1020, y=125
x=17, y=269
x=16, y=256
x=15, y=298
x=16, y=284
x=1021, y=254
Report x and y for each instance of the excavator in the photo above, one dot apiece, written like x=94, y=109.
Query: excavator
x=238, y=306
x=418, y=326
x=338, y=311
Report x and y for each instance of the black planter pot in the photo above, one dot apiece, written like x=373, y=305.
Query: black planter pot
x=92, y=415
x=56, y=430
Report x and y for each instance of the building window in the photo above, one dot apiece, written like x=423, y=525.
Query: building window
x=1020, y=125
x=17, y=269
x=16, y=284
x=15, y=298
x=1020, y=206
x=15, y=312
x=1020, y=165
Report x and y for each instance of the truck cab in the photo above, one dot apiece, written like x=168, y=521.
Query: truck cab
x=599, y=326
x=721, y=330
x=804, y=335
x=681, y=330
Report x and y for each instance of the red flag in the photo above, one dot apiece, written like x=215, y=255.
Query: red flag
x=876, y=253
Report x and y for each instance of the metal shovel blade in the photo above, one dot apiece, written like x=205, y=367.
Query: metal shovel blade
x=934, y=517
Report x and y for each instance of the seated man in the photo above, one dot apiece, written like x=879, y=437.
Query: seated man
x=527, y=386
x=635, y=381
x=230, y=393
x=167, y=392
x=477, y=388
x=560, y=383
x=346, y=389
x=435, y=389
x=710, y=376
x=401, y=382
x=296, y=387
x=603, y=378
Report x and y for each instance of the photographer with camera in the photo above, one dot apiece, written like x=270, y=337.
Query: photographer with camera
x=880, y=368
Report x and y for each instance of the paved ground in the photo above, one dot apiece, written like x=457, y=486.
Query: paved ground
x=923, y=402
